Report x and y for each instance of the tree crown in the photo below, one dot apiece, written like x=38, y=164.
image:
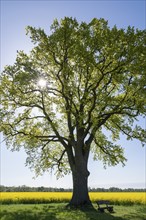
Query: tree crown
x=94, y=81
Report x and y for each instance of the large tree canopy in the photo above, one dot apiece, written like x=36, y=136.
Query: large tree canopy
x=78, y=84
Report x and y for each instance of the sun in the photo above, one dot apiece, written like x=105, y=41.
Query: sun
x=42, y=82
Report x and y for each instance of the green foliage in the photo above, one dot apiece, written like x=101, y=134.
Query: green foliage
x=96, y=85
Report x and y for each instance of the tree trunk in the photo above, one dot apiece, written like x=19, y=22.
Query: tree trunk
x=80, y=175
x=78, y=161
x=80, y=195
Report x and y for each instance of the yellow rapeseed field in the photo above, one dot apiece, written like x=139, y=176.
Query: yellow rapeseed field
x=34, y=197
x=47, y=197
x=120, y=197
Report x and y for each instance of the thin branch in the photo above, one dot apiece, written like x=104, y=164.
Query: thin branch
x=51, y=123
x=59, y=161
x=105, y=150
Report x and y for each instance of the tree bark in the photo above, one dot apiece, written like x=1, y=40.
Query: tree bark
x=80, y=195
x=80, y=176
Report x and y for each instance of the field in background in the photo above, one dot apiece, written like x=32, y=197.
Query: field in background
x=118, y=198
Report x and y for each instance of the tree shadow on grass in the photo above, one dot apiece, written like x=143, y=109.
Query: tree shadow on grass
x=57, y=212
x=138, y=214
x=33, y=214
x=93, y=213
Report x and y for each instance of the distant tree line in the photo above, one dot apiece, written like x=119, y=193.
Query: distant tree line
x=24, y=188
x=116, y=189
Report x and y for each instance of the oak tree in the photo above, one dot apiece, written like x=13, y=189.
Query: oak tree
x=79, y=83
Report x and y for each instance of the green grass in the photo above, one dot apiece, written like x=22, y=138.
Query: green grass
x=59, y=212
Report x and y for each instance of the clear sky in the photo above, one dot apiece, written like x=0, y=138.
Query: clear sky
x=15, y=16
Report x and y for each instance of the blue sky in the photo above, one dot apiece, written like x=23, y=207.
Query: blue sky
x=15, y=16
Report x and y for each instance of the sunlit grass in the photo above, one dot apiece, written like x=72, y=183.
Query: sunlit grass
x=58, y=211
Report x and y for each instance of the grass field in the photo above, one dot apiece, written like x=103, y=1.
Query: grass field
x=52, y=206
x=123, y=198
x=57, y=211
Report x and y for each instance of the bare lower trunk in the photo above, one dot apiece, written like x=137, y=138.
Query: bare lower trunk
x=78, y=163
x=80, y=195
